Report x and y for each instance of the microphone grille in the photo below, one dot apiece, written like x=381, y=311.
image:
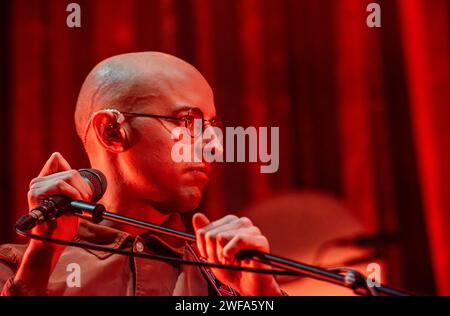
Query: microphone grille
x=97, y=180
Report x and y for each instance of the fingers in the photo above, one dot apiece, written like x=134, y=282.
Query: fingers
x=55, y=163
x=71, y=177
x=215, y=237
x=225, y=237
x=40, y=192
x=202, y=225
x=57, y=178
x=245, y=242
x=199, y=220
x=77, y=181
x=221, y=240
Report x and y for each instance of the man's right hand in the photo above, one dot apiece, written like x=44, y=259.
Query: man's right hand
x=57, y=178
x=40, y=258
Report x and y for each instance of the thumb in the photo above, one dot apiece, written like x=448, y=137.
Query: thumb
x=199, y=220
x=54, y=164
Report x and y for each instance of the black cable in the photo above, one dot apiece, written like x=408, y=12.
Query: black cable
x=97, y=212
x=151, y=256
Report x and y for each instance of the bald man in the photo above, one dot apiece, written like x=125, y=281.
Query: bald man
x=127, y=108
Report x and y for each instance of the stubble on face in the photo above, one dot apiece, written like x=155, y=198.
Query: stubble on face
x=151, y=83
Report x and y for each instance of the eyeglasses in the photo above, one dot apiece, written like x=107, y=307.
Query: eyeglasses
x=190, y=119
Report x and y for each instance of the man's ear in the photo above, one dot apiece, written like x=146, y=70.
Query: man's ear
x=110, y=132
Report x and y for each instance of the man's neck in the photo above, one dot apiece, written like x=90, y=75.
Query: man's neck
x=118, y=199
x=136, y=209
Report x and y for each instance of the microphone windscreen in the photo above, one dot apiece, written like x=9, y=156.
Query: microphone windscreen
x=97, y=180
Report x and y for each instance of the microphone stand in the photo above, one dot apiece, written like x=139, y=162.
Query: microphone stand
x=351, y=278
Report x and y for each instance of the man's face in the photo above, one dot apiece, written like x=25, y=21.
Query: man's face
x=154, y=175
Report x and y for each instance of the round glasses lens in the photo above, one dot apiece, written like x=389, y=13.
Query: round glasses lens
x=194, y=122
x=216, y=122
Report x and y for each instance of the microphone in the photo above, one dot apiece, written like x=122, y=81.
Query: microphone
x=50, y=208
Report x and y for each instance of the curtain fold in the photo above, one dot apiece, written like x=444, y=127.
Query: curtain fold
x=425, y=31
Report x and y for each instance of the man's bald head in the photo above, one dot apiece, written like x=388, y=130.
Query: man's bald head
x=126, y=81
x=136, y=156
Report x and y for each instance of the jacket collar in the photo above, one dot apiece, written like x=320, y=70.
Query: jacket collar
x=103, y=235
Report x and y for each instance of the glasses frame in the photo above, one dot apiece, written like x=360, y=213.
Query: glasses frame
x=214, y=122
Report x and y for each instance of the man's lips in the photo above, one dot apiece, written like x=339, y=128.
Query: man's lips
x=201, y=169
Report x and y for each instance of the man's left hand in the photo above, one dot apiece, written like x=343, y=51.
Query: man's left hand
x=220, y=241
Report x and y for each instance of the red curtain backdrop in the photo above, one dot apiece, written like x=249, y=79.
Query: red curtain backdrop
x=363, y=112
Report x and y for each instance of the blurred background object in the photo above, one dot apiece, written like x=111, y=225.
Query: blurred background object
x=363, y=112
x=314, y=228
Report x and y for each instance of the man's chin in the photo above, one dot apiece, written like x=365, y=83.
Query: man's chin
x=189, y=199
